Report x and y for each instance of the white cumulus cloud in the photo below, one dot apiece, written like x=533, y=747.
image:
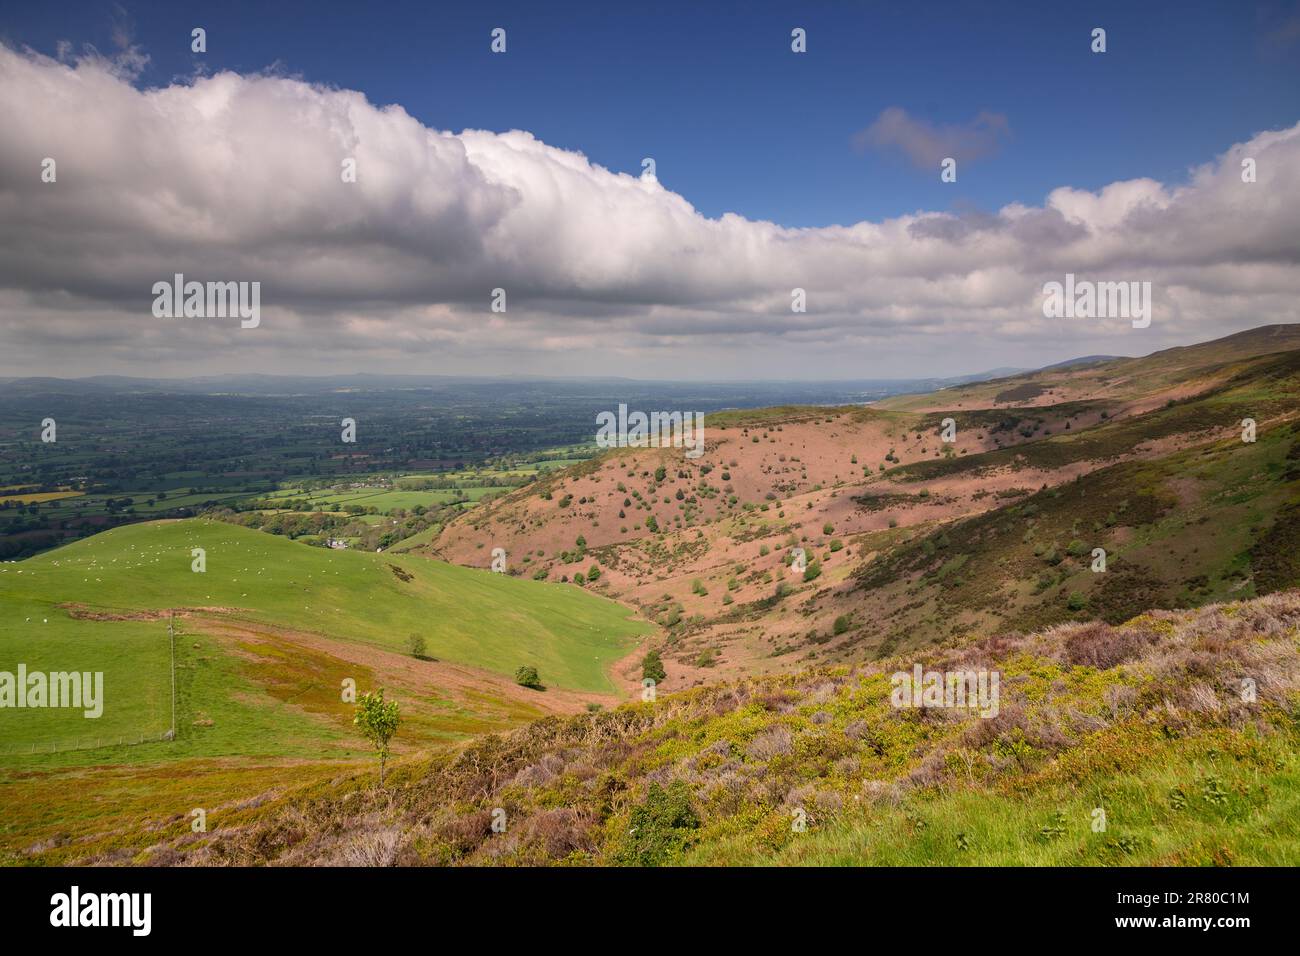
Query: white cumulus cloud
x=237, y=177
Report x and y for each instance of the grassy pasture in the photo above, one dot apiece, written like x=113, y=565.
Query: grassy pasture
x=465, y=615
x=87, y=607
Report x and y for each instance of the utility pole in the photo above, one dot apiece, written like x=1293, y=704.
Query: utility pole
x=171, y=634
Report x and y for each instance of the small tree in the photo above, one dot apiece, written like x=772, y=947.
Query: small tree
x=652, y=667
x=416, y=643
x=527, y=676
x=377, y=719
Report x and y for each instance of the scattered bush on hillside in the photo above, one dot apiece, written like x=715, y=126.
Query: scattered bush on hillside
x=1275, y=557
x=726, y=758
x=527, y=676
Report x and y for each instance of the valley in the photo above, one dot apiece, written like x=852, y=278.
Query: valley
x=779, y=577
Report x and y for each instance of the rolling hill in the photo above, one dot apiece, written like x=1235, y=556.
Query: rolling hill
x=269, y=630
x=1123, y=683
x=1111, y=745
x=915, y=540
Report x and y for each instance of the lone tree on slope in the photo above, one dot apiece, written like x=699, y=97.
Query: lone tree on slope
x=377, y=719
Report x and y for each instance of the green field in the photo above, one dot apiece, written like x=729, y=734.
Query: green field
x=383, y=499
x=466, y=616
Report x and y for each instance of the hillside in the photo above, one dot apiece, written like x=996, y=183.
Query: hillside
x=1169, y=739
x=914, y=540
x=266, y=636
x=1168, y=374
x=776, y=694
x=268, y=633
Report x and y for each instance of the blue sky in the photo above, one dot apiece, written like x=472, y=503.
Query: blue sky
x=734, y=120
x=779, y=175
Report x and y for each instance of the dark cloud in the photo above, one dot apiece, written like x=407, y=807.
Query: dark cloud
x=927, y=144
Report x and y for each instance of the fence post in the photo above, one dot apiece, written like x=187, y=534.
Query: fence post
x=171, y=635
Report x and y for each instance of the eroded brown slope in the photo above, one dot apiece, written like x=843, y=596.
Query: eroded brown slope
x=771, y=482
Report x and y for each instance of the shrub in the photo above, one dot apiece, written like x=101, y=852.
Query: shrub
x=662, y=828
x=1103, y=647
x=417, y=646
x=527, y=676
x=652, y=667
x=771, y=743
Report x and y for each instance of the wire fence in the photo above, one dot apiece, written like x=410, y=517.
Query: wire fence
x=103, y=741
